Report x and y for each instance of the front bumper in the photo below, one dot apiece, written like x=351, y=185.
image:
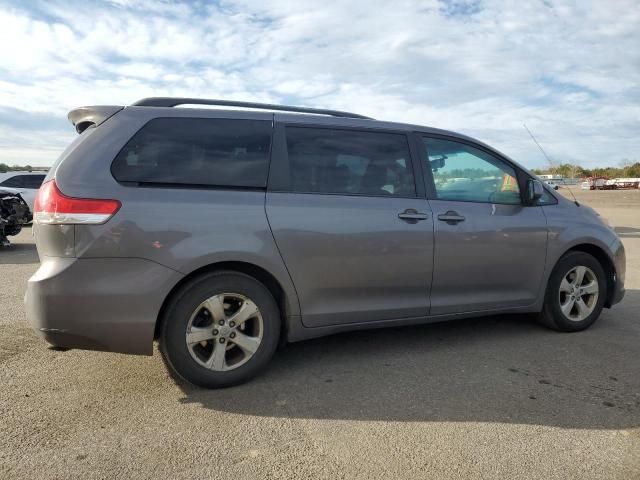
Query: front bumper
x=108, y=304
x=620, y=265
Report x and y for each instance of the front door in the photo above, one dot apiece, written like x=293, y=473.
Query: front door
x=353, y=232
x=490, y=248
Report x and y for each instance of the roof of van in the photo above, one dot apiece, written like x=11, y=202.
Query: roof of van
x=84, y=117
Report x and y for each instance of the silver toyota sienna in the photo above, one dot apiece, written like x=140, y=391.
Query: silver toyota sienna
x=222, y=233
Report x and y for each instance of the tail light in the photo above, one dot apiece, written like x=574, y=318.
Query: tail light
x=52, y=207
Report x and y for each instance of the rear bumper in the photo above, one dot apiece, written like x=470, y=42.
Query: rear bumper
x=108, y=304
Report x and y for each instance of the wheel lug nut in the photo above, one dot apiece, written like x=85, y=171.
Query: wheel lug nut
x=221, y=322
x=232, y=324
x=233, y=335
x=215, y=332
x=222, y=340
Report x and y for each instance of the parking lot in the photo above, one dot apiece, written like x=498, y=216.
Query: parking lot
x=496, y=397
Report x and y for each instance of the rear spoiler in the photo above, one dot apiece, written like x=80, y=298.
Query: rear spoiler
x=85, y=117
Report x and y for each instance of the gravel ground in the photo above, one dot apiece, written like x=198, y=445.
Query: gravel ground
x=497, y=397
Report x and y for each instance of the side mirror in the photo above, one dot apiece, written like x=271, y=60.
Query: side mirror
x=437, y=163
x=534, y=190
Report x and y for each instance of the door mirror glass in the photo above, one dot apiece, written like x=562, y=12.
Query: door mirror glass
x=535, y=190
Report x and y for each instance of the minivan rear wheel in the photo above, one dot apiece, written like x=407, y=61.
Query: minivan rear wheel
x=575, y=294
x=219, y=330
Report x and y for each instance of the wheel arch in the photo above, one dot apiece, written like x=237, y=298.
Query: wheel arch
x=250, y=269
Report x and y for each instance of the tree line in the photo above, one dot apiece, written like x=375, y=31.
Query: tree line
x=568, y=170
x=4, y=168
x=467, y=173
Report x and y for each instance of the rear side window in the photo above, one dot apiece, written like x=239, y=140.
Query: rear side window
x=349, y=162
x=197, y=151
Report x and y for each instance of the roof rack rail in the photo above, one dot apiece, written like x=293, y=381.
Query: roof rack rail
x=172, y=102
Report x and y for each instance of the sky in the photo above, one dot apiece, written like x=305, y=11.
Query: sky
x=569, y=70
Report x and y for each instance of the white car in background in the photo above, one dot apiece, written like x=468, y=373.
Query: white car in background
x=24, y=183
x=552, y=184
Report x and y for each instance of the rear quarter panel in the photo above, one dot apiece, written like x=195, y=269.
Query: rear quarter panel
x=186, y=229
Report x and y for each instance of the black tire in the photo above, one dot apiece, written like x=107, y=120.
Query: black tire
x=173, y=345
x=552, y=315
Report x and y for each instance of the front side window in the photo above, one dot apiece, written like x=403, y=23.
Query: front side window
x=349, y=162
x=197, y=151
x=465, y=173
x=546, y=199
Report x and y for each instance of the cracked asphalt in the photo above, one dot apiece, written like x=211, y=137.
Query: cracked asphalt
x=497, y=397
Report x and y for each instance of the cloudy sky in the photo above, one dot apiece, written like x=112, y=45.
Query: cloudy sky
x=570, y=70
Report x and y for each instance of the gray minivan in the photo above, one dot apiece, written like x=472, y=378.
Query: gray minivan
x=222, y=233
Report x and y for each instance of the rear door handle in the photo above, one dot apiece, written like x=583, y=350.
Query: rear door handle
x=412, y=214
x=451, y=217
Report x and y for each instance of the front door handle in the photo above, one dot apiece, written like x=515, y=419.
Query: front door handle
x=451, y=217
x=412, y=214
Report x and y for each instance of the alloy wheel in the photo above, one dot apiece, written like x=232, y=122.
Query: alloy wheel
x=579, y=292
x=224, y=331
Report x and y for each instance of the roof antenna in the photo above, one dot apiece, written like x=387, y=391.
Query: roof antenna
x=551, y=165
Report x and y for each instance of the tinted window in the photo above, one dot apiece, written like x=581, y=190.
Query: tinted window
x=24, y=181
x=13, y=182
x=547, y=199
x=462, y=172
x=33, y=181
x=349, y=162
x=197, y=151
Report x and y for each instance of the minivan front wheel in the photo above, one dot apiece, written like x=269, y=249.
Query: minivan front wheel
x=219, y=330
x=575, y=293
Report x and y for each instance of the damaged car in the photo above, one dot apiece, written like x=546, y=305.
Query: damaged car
x=14, y=213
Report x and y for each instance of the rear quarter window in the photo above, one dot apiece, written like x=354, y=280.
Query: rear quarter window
x=197, y=151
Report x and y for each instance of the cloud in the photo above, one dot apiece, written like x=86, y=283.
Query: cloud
x=569, y=70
